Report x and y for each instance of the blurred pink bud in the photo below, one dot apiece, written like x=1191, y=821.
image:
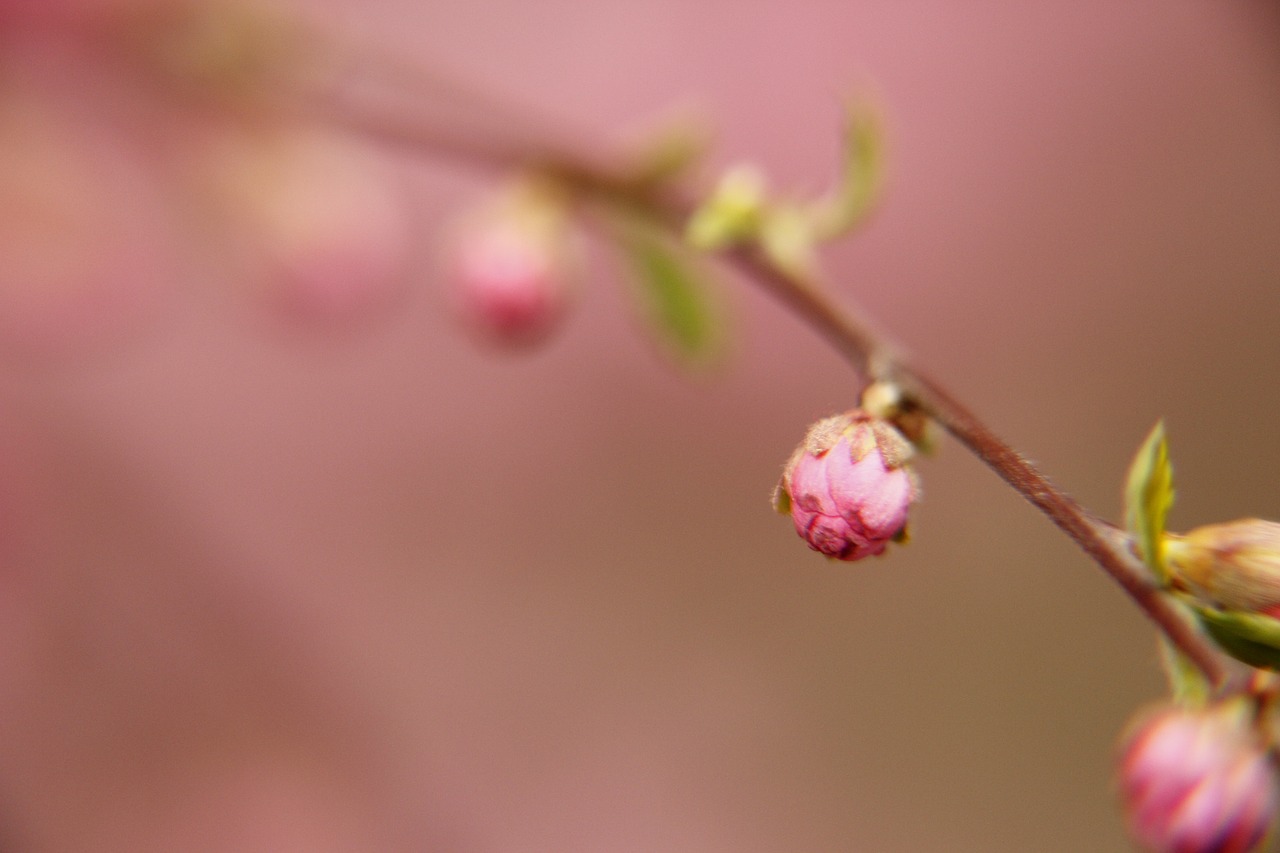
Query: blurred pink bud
x=1198, y=781
x=1232, y=566
x=323, y=224
x=848, y=486
x=512, y=267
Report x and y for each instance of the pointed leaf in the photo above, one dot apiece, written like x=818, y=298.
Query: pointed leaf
x=1148, y=497
x=674, y=296
x=861, y=176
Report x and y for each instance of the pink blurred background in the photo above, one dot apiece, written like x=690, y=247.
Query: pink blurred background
x=280, y=586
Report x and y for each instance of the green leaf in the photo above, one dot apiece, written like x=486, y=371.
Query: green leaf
x=674, y=295
x=1148, y=497
x=861, y=176
x=1248, y=637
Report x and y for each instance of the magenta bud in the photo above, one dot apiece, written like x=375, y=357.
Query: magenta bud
x=848, y=486
x=512, y=267
x=1198, y=780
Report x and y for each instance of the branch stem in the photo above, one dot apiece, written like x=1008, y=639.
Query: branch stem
x=868, y=351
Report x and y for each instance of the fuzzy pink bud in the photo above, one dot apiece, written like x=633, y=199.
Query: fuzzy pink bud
x=512, y=268
x=1198, y=781
x=848, y=486
x=323, y=228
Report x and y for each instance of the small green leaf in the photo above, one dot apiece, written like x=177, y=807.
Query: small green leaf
x=674, y=295
x=861, y=176
x=1148, y=497
x=1249, y=637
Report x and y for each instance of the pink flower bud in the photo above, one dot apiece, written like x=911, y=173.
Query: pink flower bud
x=1231, y=566
x=1198, y=781
x=848, y=486
x=323, y=230
x=512, y=266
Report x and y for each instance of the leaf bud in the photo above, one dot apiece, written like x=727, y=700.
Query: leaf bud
x=1232, y=566
x=1230, y=574
x=733, y=213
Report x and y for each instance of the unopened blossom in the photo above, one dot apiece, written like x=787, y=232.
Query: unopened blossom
x=512, y=267
x=1231, y=566
x=1198, y=780
x=849, y=485
x=310, y=219
x=144, y=141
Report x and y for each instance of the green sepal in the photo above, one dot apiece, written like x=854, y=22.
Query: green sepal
x=781, y=501
x=861, y=175
x=674, y=295
x=1148, y=497
x=1248, y=637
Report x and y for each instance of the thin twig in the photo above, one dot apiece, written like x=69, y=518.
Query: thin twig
x=865, y=349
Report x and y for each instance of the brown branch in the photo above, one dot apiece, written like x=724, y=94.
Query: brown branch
x=864, y=348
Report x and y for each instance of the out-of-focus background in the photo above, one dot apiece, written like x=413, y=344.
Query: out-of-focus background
x=281, y=584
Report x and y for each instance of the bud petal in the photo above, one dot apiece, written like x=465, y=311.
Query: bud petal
x=848, y=486
x=1198, y=780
